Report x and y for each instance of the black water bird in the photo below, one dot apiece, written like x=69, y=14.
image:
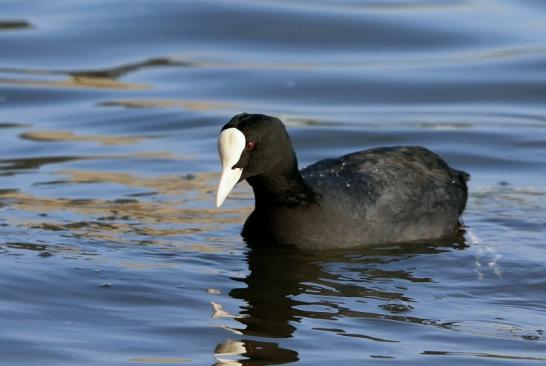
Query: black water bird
x=378, y=196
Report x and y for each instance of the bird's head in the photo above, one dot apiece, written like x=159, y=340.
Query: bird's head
x=249, y=145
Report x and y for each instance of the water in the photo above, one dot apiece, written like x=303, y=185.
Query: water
x=111, y=252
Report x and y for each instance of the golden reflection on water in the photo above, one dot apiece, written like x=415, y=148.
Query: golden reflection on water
x=203, y=183
x=145, y=215
x=165, y=360
x=103, y=83
x=170, y=103
x=70, y=136
x=76, y=82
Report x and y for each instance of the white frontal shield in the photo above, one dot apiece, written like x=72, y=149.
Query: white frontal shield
x=231, y=144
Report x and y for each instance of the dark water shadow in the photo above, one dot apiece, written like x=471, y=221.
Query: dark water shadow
x=14, y=24
x=119, y=71
x=7, y=166
x=13, y=125
x=278, y=275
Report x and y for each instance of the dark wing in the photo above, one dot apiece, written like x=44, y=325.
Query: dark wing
x=391, y=184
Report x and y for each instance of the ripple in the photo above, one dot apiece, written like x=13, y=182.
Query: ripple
x=499, y=356
x=496, y=329
x=160, y=360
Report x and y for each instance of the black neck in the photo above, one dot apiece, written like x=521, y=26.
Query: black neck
x=281, y=186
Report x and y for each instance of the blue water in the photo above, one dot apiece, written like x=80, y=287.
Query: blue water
x=111, y=250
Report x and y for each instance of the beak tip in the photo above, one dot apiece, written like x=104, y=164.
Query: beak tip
x=228, y=180
x=219, y=202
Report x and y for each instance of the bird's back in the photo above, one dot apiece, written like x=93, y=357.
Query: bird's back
x=392, y=194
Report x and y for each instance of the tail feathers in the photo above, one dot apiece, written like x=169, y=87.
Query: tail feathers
x=462, y=177
x=462, y=174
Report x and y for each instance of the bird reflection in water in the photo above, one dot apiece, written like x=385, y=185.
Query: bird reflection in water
x=280, y=275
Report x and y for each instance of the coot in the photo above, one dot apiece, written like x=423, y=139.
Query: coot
x=378, y=196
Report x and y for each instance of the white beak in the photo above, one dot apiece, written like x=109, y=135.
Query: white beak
x=231, y=144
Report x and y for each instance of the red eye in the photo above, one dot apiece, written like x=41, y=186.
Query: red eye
x=250, y=146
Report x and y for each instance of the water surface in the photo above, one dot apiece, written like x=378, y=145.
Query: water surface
x=111, y=252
